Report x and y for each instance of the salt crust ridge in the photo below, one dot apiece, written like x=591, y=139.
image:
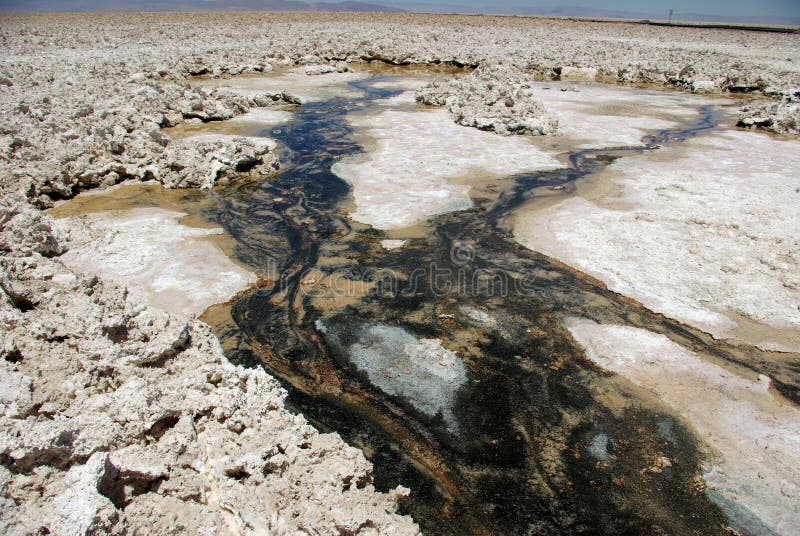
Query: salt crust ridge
x=496, y=98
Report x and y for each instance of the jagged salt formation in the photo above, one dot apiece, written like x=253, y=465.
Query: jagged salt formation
x=61, y=77
x=781, y=116
x=58, y=141
x=202, y=162
x=116, y=418
x=495, y=98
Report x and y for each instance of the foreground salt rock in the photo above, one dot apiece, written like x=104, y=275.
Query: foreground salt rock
x=704, y=232
x=171, y=266
x=496, y=98
x=754, y=436
x=118, y=418
x=419, y=164
x=781, y=116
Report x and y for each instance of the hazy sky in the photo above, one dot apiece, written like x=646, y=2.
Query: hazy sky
x=775, y=11
x=734, y=8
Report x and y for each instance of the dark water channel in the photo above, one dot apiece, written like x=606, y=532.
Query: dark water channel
x=538, y=440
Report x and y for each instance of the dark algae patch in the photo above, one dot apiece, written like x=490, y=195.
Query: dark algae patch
x=526, y=435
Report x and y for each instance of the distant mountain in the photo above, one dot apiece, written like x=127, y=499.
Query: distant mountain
x=27, y=6
x=548, y=11
x=586, y=12
x=353, y=6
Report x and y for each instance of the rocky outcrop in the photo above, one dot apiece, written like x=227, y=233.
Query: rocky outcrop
x=496, y=98
x=118, y=418
x=202, y=162
x=55, y=143
x=781, y=116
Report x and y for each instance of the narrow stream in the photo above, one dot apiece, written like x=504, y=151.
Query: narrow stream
x=534, y=441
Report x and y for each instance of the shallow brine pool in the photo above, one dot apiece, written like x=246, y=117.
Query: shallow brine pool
x=381, y=277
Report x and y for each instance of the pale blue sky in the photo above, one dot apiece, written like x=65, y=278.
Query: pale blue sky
x=772, y=11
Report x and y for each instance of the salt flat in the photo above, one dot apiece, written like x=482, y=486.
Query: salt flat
x=294, y=82
x=264, y=117
x=171, y=266
x=418, y=164
x=597, y=115
x=705, y=232
x=100, y=388
x=419, y=370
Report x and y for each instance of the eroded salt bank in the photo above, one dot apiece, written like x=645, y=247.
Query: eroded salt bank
x=419, y=164
x=755, y=436
x=264, y=117
x=294, y=82
x=706, y=232
x=171, y=266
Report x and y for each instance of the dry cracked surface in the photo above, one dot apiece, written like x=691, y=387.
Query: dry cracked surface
x=117, y=416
